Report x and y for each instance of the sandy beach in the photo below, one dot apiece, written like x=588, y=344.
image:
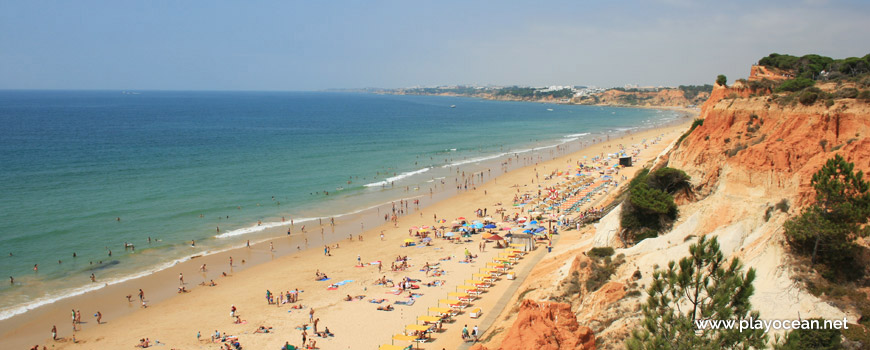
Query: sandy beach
x=177, y=319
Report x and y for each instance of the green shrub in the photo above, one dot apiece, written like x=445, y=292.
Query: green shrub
x=649, y=207
x=721, y=80
x=601, y=272
x=782, y=205
x=807, y=98
x=737, y=148
x=796, y=84
x=846, y=93
x=817, y=339
x=600, y=252
x=696, y=123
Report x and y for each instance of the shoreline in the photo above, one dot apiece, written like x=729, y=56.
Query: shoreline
x=254, y=258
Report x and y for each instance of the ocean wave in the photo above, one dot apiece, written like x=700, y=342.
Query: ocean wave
x=258, y=228
x=388, y=180
x=576, y=135
x=71, y=292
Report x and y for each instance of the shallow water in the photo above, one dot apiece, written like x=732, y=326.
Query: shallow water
x=176, y=166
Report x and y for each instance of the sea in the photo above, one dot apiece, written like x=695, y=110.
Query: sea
x=185, y=173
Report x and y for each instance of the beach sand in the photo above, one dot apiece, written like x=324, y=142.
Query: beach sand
x=356, y=324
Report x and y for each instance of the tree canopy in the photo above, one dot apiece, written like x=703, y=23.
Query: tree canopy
x=828, y=228
x=703, y=286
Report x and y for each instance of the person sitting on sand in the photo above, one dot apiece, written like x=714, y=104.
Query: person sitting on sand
x=182, y=290
x=348, y=298
x=387, y=307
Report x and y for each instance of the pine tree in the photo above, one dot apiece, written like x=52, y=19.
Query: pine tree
x=703, y=286
x=828, y=228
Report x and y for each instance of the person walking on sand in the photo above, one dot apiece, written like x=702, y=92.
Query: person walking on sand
x=54, y=332
x=231, y=261
x=99, y=316
x=311, y=315
x=358, y=260
x=181, y=278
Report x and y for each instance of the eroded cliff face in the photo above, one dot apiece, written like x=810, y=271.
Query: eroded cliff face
x=661, y=98
x=771, y=149
x=546, y=326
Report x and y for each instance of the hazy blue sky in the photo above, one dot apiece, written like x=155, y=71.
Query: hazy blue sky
x=311, y=45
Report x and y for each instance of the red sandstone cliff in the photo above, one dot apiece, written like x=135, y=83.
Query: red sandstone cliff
x=782, y=145
x=546, y=326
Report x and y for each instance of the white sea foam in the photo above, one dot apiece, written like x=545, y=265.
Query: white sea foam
x=255, y=228
x=388, y=180
x=577, y=135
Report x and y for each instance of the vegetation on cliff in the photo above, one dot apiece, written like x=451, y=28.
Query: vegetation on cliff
x=649, y=207
x=827, y=229
x=811, y=66
x=702, y=286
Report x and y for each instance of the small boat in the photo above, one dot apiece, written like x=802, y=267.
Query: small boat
x=452, y=106
x=550, y=109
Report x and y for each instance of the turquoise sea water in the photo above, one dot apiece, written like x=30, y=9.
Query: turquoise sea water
x=174, y=166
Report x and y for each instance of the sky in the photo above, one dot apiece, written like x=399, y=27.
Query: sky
x=315, y=45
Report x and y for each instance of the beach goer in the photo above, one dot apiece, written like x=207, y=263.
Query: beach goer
x=465, y=333
x=181, y=278
x=231, y=261
x=474, y=333
x=311, y=315
x=54, y=332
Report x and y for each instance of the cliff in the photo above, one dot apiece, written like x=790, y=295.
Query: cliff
x=660, y=98
x=755, y=150
x=546, y=326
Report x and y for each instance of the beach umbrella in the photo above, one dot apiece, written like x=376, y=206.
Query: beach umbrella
x=522, y=219
x=495, y=237
x=460, y=218
x=477, y=226
x=449, y=234
x=414, y=227
x=408, y=240
x=489, y=226
x=427, y=239
x=506, y=228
